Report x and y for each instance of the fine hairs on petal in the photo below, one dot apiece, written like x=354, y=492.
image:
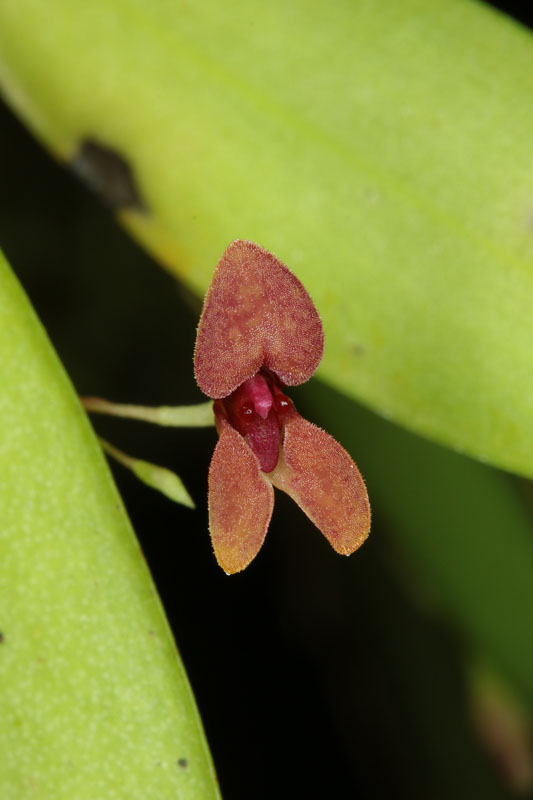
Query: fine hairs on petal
x=323, y=480
x=256, y=313
x=240, y=502
x=259, y=333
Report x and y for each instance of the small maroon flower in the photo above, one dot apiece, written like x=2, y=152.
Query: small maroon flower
x=260, y=332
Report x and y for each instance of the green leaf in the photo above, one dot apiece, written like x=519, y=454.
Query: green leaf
x=160, y=478
x=464, y=527
x=383, y=151
x=95, y=701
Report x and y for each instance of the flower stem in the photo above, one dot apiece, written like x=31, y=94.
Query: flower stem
x=197, y=416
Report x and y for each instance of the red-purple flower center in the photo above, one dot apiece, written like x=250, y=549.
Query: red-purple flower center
x=256, y=409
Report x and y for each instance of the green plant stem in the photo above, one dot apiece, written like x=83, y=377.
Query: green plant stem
x=197, y=416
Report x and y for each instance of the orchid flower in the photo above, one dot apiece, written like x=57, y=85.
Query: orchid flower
x=259, y=333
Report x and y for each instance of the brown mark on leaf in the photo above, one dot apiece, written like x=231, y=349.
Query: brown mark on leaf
x=182, y=762
x=1, y=638
x=109, y=175
x=356, y=348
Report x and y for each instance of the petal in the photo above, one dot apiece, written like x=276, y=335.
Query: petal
x=240, y=501
x=323, y=480
x=256, y=313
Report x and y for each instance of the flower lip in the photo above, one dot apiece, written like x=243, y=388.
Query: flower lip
x=256, y=315
x=256, y=410
x=260, y=394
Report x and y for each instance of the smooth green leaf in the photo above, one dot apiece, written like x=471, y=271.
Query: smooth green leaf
x=382, y=150
x=95, y=701
x=160, y=478
x=464, y=527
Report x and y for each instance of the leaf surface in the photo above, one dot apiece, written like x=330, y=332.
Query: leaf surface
x=382, y=151
x=95, y=700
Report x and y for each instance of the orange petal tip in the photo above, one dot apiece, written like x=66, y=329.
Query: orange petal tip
x=323, y=480
x=240, y=501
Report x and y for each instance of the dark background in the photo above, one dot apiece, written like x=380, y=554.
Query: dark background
x=315, y=676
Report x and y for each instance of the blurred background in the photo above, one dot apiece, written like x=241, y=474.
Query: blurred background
x=314, y=675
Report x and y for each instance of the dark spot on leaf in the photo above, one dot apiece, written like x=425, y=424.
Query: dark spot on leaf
x=356, y=348
x=1, y=637
x=109, y=175
x=182, y=762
